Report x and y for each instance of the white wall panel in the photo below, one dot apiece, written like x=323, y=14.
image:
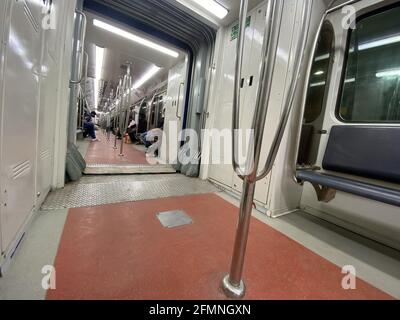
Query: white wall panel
x=20, y=98
x=34, y=77
x=4, y=6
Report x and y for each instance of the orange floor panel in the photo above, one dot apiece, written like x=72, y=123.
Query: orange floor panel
x=103, y=152
x=121, y=251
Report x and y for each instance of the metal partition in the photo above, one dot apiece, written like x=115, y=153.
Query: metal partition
x=232, y=284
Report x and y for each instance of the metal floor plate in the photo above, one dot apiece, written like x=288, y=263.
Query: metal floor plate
x=174, y=219
x=91, y=191
x=99, y=169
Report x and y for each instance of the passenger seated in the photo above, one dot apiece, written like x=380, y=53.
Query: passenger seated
x=89, y=127
x=152, y=140
x=132, y=129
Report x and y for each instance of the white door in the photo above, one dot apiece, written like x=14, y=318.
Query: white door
x=223, y=173
x=20, y=104
x=174, y=110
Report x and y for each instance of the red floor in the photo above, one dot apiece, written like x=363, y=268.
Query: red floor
x=103, y=152
x=122, y=252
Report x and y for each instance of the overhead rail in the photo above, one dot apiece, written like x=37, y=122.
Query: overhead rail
x=232, y=284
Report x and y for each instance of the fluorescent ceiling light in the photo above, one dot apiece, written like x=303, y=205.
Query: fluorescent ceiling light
x=323, y=57
x=319, y=73
x=134, y=38
x=322, y=83
x=99, y=71
x=368, y=45
x=213, y=7
x=317, y=84
x=389, y=73
x=146, y=77
x=379, y=43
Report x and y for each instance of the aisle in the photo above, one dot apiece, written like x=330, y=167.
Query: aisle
x=103, y=152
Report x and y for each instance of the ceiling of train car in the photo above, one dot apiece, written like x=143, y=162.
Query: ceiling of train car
x=167, y=18
x=120, y=51
x=207, y=17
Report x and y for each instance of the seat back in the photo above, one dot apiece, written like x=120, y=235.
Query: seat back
x=370, y=152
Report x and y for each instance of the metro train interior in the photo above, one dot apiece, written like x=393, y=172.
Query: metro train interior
x=200, y=150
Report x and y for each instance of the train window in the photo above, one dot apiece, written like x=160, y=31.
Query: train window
x=316, y=97
x=319, y=75
x=371, y=81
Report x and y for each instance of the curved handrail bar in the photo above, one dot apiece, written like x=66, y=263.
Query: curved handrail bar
x=244, y=4
x=233, y=284
x=289, y=100
x=270, y=48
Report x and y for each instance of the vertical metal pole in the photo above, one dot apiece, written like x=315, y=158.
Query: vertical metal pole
x=232, y=284
x=121, y=151
x=124, y=121
x=116, y=118
x=115, y=135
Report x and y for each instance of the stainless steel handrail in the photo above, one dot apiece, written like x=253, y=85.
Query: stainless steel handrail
x=125, y=109
x=340, y=6
x=118, y=102
x=233, y=284
x=244, y=4
x=290, y=98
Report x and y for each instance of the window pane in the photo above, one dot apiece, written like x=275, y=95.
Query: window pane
x=314, y=111
x=319, y=75
x=371, y=88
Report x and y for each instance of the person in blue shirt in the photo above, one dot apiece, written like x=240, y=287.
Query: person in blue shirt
x=89, y=127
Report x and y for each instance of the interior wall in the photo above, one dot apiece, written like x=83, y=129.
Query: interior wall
x=35, y=72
